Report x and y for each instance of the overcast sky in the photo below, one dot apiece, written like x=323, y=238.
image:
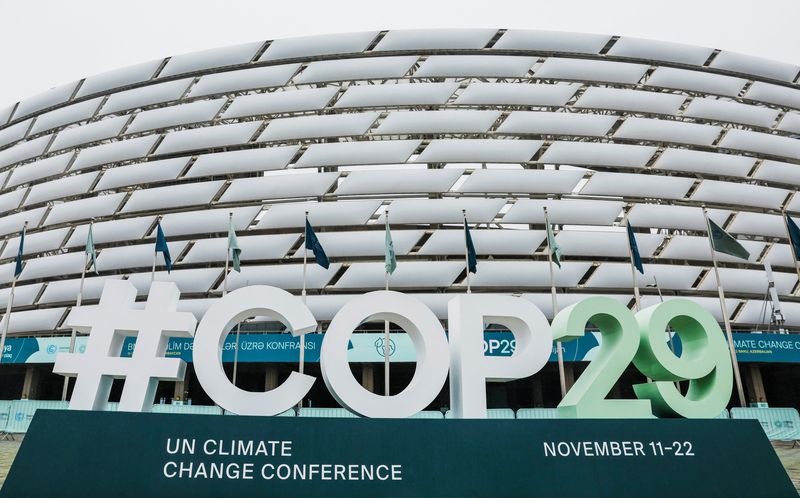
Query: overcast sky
x=44, y=43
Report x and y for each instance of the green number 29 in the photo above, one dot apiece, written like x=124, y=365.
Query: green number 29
x=704, y=361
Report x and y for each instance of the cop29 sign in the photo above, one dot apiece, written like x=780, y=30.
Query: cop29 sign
x=627, y=338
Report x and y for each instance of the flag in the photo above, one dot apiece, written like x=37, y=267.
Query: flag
x=18, y=261
x=637, y=259
x=555, y=249
x=794, y=236
x=472, y=256
x=312, y=242
x=724, y=242
x=233, y=247
x=390, y=260
x=161, y=246
x=90, y=249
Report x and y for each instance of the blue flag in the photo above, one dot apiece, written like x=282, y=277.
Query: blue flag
x=472, y=256
x=18, y=261
x=637, y=260
x=312, y=242
x=161, y=246
x=794, y=236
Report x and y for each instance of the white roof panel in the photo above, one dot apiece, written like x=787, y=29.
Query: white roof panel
x=310, y=184
x=356, y=69
x=748, y=64
x=774, y=94
x=34, y=320
x=242, y=161
x=698, y=249
x=188, y=194
x=567, y=212
x=310, y=46
x=23, y=150
x=208, y=220
x=487, y=242
x=46, y=99
x=528, y=181
x=618, y=275
x=103, y=232
x=24, y=295
x=710, y=304
x=753, y=312
x=36, y=242
x=283, y=276
x=750, y=281
x=665, y=216
x=544, y=301
x=425, y=211
x=517, y=274
x=119, y=77
x=13, y=222
x=114, y=151
x=136, y=256
x=39, y=169
x=733, y=112
x=280, y=102
x=243, y=79
x=641, y=48
x=696, y=81
x=11, y=200
x=146, y=95
x=661, y=130
x=65, y=115
x=343, y=213
x=59, y=188
x=396, y=94
x=480, y=93
x=66, y=291
x=14, y=132
x=790, y=122
x=770, y=225
x=777, y=172
x=254, y=247
x=84, y=209
x=636, y=185
x=625, y=99
x=433, y=39
x=348, y=153
x=408, y=274
x=208, y=137
x=482, y=66
x=92, y=132
x=557, y=123
x=780, y=255
x=552, y=41
x=763, y=143
x=198, y=280
x=740, y=193
x=466, y=150
x=213, y=58
x=48, y=266
x=194, y=112
x=697, y=161
x=5, y=113
x=314, y=126
x=598, y=154
x=398, y=181
x=365, y=243
x=606, y=243
x=412, y=122
x=591, y=70
x=142, y=173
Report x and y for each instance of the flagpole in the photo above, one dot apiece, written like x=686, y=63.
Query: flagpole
x=10, y=304
x=466, y=250
x=726, y=319
x=227, y=259
x=303, y=297
x=633, y=269
x=74, y=333
x=155, y=254
x=386, y=339
x=791, y=244
x=561, y=377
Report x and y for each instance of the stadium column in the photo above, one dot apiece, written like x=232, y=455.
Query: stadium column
x=368, y=377
x=30, y=386
x=271, y=378
x=180, y=391
x=755, y=385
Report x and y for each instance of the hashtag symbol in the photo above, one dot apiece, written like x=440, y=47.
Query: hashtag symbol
x=108, y=323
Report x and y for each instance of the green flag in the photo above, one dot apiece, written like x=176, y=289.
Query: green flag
x=724, y=242
x=233, y=247
x=389, y=256
x=90, y=249
x=555, y=249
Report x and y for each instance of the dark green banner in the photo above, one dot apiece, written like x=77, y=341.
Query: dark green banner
x=79, y=454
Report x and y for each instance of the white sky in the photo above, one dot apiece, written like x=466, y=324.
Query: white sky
x=44, y=43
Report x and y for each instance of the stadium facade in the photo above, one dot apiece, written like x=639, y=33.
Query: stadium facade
x=427, y=124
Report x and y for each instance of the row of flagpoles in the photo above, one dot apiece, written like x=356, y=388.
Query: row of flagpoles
x=719, y=241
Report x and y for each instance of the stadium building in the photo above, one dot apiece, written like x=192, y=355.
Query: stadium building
x=427, y=124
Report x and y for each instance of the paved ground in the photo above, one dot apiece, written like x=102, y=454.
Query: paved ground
x=788, y=455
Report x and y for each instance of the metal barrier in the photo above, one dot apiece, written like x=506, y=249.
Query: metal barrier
x=537, y=413
x=780, y=424
x=327, y=413
x=187, y=409
x=22, y=411
x=491, y=413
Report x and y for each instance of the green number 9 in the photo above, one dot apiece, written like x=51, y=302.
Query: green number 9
x=704, y=361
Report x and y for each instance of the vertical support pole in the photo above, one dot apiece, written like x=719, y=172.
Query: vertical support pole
x=559, y=353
